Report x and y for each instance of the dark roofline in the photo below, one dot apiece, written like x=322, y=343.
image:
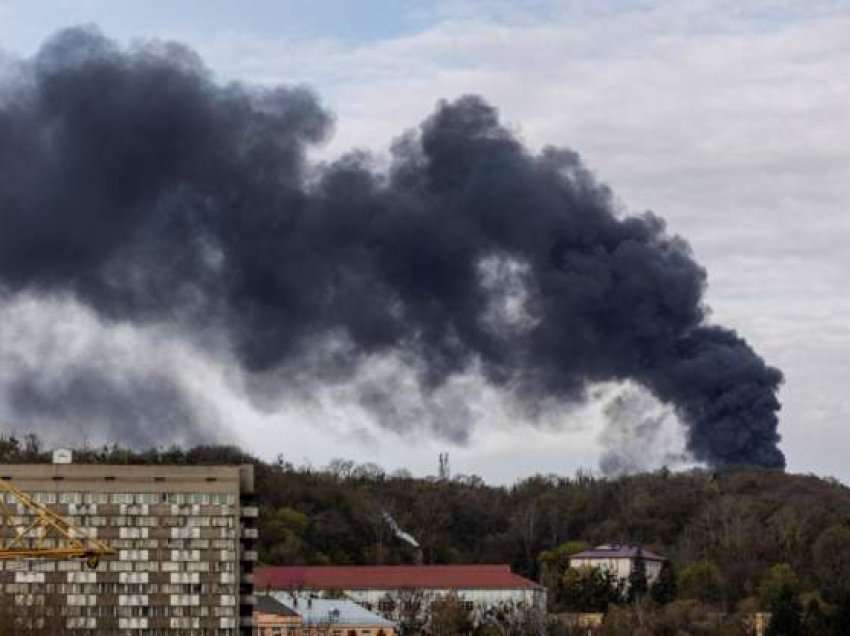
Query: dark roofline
x=618, y=551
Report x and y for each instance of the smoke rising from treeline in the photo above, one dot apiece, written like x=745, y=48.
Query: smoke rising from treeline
x=133, y=181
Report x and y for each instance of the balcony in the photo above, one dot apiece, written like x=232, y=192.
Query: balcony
x=250, y=533
x=250, y=555
x=249, y=512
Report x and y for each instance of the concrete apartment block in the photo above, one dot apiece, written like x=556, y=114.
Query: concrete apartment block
x=184, y=539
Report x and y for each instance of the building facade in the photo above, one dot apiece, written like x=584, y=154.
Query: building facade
x=619, y=560
x=184, y=540
x=272, y=618
x=317, y=617
x=386, y=589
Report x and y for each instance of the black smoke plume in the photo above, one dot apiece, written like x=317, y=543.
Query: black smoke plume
x=133, y=181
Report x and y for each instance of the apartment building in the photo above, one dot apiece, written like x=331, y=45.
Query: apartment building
x=184, y=539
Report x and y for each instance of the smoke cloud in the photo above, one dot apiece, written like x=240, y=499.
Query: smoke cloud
x=640, y=434
x=133, y=182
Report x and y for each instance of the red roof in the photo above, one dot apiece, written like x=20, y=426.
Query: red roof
x=386, y=577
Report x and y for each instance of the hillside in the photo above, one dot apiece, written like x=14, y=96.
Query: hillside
x=723, y=531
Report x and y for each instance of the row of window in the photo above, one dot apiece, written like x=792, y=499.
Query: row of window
x=100, y=610
x=122, y=521
x=204, y=499
x=119, y=589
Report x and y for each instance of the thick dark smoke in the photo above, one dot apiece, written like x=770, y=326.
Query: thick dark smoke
x=136, y=409
x=133, y=181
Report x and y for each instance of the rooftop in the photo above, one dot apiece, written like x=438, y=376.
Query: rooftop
x=617, y=551
x=269, y=605
x=390, y=577
x=320, y=611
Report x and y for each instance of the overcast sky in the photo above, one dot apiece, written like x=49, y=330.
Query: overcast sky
x=729, y=119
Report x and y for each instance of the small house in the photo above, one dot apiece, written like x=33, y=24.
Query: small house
x=619, y=560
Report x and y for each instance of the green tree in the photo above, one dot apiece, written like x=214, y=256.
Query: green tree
x=664, y=588
x=590, y=590
x=841, y=618
x=815, y=621
x=786, y=614
x=831, y=553
x=702, y=581
x=637, y=578
x=555, y=562
x=777, y=579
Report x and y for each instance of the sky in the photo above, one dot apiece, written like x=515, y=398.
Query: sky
x=728, y=119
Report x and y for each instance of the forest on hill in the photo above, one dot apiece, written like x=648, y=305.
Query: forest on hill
x=736, y=538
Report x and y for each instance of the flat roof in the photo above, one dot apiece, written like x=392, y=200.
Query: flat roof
x=270, y=605
x=321, y=611
x=129, y=477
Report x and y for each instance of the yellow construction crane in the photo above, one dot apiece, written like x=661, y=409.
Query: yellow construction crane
x=30, y=540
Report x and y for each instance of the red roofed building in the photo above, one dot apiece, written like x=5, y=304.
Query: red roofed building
x=385, y=588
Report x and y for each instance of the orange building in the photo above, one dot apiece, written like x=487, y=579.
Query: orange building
x=272, y=618
x=317, y=617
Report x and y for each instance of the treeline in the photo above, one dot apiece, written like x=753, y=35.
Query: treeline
x=728, y=535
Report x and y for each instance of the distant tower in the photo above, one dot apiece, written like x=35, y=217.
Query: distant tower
x=445, y=473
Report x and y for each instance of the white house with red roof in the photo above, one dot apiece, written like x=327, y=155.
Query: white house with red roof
x=619, y=560
x=384, y=588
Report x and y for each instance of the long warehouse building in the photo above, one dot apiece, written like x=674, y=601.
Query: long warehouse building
x=184, y=538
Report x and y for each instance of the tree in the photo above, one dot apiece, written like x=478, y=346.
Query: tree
x=511, y=619
x=411, y=605
x=815, y=621
x=637, y=578
x=841, y=618
x=786, y=614
x=775, y=582
x=449, y=617
x=702, y=581
x=831, y=554
x=664, y=588
x=555, y=562
x=590, y=590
